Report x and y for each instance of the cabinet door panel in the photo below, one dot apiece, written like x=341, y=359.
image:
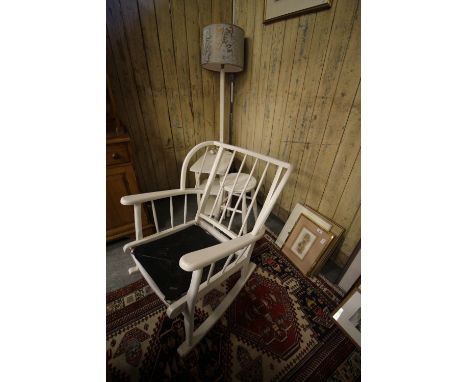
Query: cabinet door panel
x=118, y=184
x=121, y=181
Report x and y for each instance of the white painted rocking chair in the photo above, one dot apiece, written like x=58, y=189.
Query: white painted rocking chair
x=185, y=261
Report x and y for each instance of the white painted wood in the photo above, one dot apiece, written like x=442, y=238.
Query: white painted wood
x=215, y=232
x=343, y=315
x=271, y=199
x=206, y=191
x=203, y=160
x=220, y=191
x=299, y=210
x=188, y=326
x=227, y=262
x=273, y=185
x=203, y=257
x=210, y=273
x=254, y=204
x=155, y=236
x=215, y=187
x=155, y=217
x=185, y=208
x=176, y=307
x=232, y=245
x=205, y=167
x=137, y=217
x=171, y=208
x=228, y=201
x=149, y=196
x=190, y=307
x=219, y=226
x=226, y=147
x=240, y=188
x=253, y=154
x=185, y=348
x=352, y=273
x=217, y=205
x=210, y=203
x=244, y=212
x=246, y=181
x=254, y=199
x=245, y=255
x=221, y=104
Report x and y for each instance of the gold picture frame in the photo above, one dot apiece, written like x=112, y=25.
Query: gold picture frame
x=275, y=10
x=326, y=224
x=306, y=244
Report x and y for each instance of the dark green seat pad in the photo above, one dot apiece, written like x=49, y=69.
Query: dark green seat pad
x=160, y=259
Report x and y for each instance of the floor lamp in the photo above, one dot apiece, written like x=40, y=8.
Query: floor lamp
x=222, y=51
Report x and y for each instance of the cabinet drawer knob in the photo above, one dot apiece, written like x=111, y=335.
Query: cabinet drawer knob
x=115, y=156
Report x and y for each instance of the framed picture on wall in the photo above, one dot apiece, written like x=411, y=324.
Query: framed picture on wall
x=296, y=245
x=280, y=9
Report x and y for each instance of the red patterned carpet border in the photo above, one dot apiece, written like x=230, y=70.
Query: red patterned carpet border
x=122, y=292
x=256, y=340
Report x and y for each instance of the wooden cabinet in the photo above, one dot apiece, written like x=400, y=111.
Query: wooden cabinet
x=120, y=181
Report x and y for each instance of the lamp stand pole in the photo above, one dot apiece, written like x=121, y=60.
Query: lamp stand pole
x=221, y=105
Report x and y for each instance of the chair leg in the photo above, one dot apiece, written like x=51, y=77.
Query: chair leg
x=209, y=322
x=189, y=310
x=188, y=324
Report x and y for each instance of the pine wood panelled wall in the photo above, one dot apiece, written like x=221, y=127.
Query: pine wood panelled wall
x=164, y=98
x=298, y=99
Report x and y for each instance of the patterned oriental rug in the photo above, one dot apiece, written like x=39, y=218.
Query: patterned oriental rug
x=279, y=328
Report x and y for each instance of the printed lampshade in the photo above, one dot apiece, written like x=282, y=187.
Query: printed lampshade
x=223, y=44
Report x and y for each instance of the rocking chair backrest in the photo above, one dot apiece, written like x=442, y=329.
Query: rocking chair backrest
x=271, y=175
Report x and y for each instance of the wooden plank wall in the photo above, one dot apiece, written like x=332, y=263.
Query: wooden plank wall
x=165, y=99
x=298, y=99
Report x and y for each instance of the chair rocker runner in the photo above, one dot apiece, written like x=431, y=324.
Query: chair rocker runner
x=184, y=262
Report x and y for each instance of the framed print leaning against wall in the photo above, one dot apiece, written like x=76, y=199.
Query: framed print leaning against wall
x=309, y=244
x=306, y=244
x=348, y=314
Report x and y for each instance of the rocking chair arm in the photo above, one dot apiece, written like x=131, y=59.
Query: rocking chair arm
x=149, y=196
x=206, y=256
